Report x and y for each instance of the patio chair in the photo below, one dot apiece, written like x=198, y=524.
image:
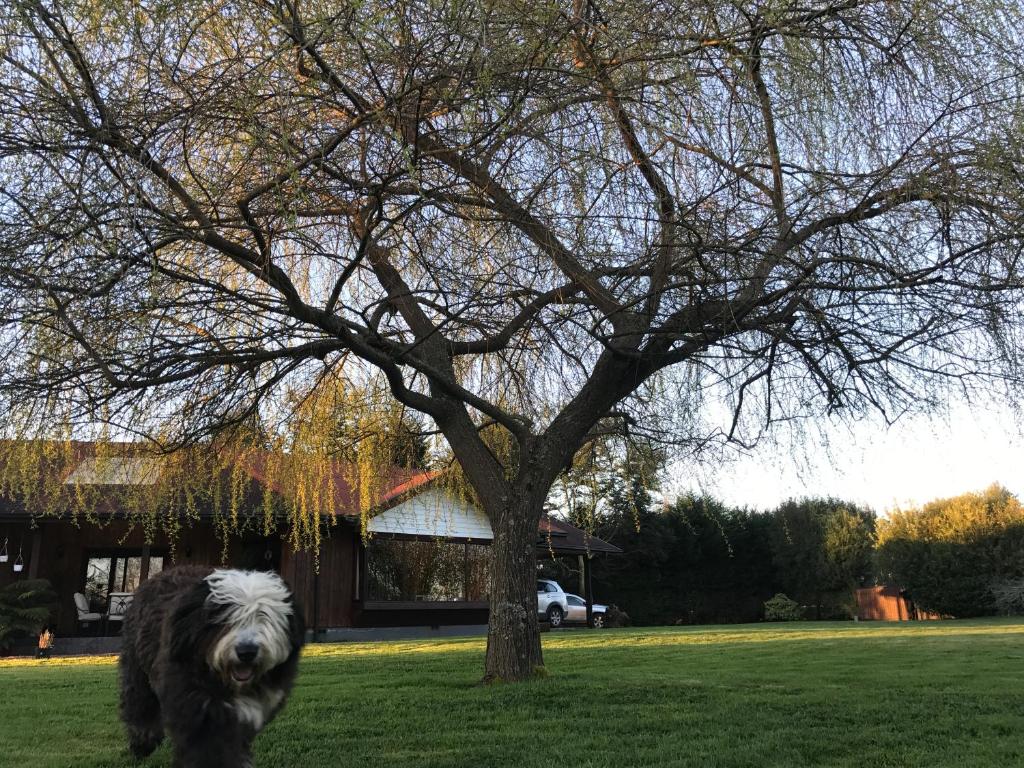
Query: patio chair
x=85, y=615
x=117, y=606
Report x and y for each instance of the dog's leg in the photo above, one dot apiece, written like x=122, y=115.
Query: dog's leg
x=208, y=748
x=245, y=754
x=204, y=732
x=201, y=753
x=140, y=708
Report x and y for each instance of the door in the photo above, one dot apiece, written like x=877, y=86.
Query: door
x=577, y=608
x=260, y=554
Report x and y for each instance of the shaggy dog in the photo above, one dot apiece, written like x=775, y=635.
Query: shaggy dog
x=209, y=657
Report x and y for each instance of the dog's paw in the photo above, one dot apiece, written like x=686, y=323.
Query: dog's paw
x=142, y=745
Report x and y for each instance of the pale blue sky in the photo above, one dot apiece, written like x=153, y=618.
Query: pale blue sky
x=910, y=463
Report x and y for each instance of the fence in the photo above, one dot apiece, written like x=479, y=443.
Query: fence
x=888, y=603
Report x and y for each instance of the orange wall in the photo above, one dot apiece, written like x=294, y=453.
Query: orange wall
x=886, y=604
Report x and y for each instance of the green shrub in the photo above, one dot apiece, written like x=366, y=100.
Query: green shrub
x=616, y=617
x=781, y=608
x=25, y=606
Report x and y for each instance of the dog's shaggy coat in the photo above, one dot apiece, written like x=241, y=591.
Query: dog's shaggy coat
x=209, y=657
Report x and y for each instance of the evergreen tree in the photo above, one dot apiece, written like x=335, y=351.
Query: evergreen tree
x=952, y=553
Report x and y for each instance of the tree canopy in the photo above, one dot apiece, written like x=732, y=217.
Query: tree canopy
x=954, y=555
x=698, y=560
x=533, y=223
x=822, y=546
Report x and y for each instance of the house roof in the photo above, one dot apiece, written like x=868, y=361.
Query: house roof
x=565, y=538
x=397, y=485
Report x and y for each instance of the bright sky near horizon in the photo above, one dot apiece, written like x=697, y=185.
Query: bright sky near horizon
x=910, y=463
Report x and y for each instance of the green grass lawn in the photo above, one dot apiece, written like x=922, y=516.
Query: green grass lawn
x=925, y=694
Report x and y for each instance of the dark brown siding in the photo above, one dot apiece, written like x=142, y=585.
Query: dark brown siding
x=406, y=616
x=18, y=535
x=326, y=596
x=297, y=570
x=64, y=548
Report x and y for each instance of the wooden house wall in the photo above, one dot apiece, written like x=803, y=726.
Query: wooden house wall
x=326, y=596
x=64, y=553
x=63, y=550
x=434, y=513
x=408, y=615
x=329, y=596
x=18, y=535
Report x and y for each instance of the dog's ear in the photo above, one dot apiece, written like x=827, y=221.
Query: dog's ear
x=188, y=622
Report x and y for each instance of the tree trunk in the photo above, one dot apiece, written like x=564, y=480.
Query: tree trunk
x=513, y=630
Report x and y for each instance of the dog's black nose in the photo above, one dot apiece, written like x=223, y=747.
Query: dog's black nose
x=246, y=652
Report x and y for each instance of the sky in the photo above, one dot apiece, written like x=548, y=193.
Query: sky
x=904, y=465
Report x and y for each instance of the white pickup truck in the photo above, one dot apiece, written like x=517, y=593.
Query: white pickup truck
x=552, y=601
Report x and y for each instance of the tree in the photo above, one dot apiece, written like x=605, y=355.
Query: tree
x=619, y=509
x=955, y=556
x=849, y=544
x=822, y=547
x=533, y=222
x=723, y=569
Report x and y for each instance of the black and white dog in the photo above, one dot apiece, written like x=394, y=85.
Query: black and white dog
x=209, y=657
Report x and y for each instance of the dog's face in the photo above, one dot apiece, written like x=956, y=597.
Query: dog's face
x=243, y=622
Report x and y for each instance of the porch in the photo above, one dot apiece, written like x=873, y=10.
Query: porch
x=424, y=563
x=95, y=566
x=397, y=580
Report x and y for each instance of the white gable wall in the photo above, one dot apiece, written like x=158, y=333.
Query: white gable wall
x=433, y=513
x=116, y=470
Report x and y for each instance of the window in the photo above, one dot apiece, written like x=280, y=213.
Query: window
x=404, y=570
x=546, y=586
x=97, y=580
x=116, y=572
x=573, y=600
x=478, y=572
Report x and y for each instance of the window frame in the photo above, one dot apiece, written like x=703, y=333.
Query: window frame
x=384, y=605
x=116, y=555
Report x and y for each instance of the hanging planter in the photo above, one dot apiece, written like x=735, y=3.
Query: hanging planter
x=19, y=564
x=3, y=553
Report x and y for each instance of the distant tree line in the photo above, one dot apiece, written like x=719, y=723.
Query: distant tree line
x=698, y=560
x=962, y=556
x=701, y=561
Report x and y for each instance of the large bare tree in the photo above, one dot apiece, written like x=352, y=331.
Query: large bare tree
x=536, y=221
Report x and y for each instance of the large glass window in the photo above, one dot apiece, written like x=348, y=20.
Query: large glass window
x=97, y=580
x=405, y=570
x=116, y=572
x=478, y=572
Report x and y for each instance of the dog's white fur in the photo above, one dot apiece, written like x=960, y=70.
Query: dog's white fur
x=253, y=711
x=256, y=608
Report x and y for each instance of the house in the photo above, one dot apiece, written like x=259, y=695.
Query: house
x=424, y=561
